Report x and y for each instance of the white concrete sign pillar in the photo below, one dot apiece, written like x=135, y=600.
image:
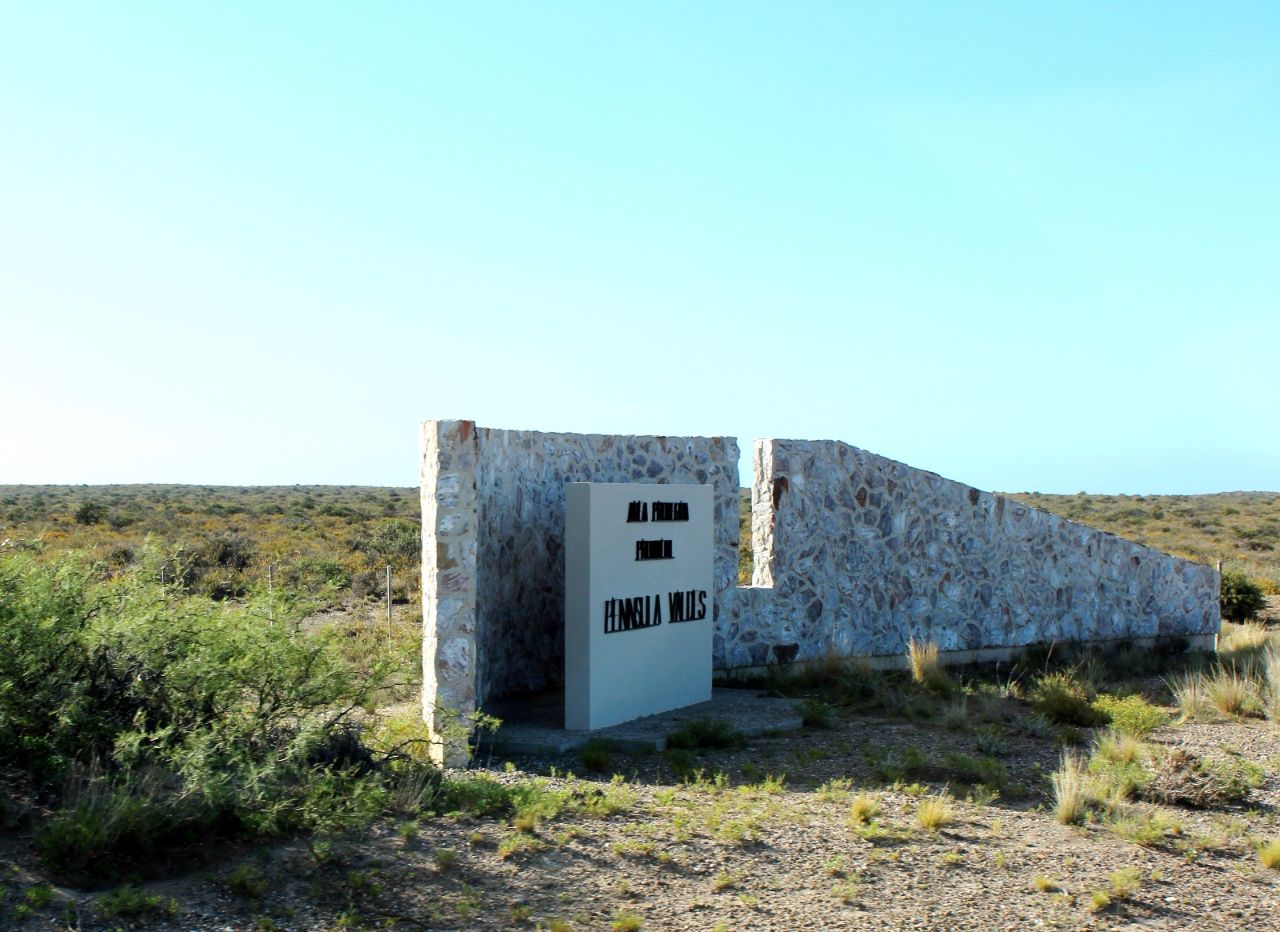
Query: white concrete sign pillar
x=639, y=600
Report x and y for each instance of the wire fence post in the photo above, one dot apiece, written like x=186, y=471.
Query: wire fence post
x=271, y=598
x=388, y=603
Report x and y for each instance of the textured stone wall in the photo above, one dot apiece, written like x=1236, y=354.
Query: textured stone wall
x=449, y=507
x=855, y=554
x=520, y=480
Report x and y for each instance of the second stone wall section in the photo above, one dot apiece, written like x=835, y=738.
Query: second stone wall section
x=520, y=487
x=855, y=554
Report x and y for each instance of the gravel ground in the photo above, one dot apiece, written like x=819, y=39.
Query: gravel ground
x=750, y=853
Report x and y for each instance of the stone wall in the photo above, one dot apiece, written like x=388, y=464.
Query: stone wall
x=449, y=509
x=854, y=555
x=520, y=480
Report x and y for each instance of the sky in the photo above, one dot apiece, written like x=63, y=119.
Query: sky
x=1032, y=247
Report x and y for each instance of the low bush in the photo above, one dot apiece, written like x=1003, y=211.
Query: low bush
x=131, y=903
x=1131, y=715
x=1064, y=697
x=596, y=755
x=815, y=713
x=1181, y=778
x=154, y=716
x=1241, y=598
x=1116, y=767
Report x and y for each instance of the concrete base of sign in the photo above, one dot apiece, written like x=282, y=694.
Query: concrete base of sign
x=532, y=724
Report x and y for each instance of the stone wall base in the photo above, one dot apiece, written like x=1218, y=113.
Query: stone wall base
x=1198, y=643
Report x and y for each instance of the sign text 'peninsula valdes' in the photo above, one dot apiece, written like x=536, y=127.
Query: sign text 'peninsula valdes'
x=632, y=613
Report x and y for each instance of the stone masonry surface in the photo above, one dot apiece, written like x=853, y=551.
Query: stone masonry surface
x=854, y=555
x=520, y=480
x=448, y=572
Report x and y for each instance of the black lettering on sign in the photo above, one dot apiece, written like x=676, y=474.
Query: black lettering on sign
x=637, y=512
x=641, y=611
x=688, y=605
x=653, y=550
x=670, y=511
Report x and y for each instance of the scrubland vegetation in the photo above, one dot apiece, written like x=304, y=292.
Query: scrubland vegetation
x=183, y=747
x=1240, y=528
x=328, y=543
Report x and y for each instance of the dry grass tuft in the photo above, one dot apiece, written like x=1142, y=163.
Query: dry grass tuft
x=1271, y=679
x=1117, y=747
x=926, y=667
x=1188, y=691
x=1046, y=884
x=1269, y=854
x=933, y=812
x=1070, y=789
x=1242, y=640
x=1229, y=691
x=863, y=809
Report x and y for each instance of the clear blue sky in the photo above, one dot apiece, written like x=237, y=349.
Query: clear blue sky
x=1031, y=246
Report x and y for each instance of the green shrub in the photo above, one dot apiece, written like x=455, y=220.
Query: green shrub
x=90, y=513
x=1064, y=698
x=391, y=540
x=154, y=714
x=247, y=881
x=131, y=903
x=1241, y=598
x=815, y=713
x=1131, y=715
x=481, y=796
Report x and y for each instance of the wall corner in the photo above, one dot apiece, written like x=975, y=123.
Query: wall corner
x=448, y=454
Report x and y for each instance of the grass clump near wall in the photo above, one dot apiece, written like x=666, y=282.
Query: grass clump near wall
x=1244, y=681
x=926, y=667
x=155, y=717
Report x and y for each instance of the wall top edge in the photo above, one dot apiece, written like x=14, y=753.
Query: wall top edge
x=983, y=492
x=784, y=442
x=490, y=431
